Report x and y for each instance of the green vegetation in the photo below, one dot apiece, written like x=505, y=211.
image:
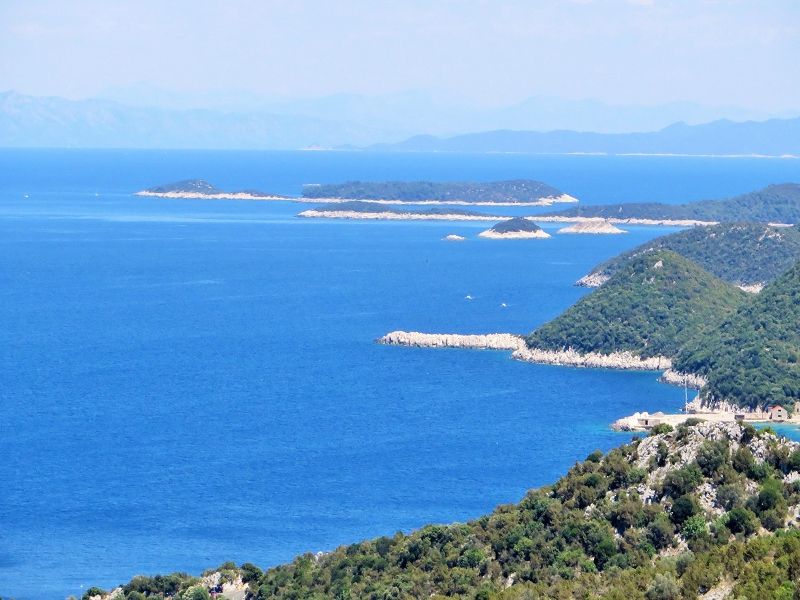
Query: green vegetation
x=739, y=253
x=753, y=357
x=651, y=307
x=773, y=204
x=200, y=186
x=516, y=224
x=194, y=186
x=618, y=527
x=371, y=207
x=520, y=190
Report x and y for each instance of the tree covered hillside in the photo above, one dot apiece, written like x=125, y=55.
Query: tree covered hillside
x=739, y=253
x=518, y=190
x=753, y=357
x=773, y=204
x=672, y=516
x=650, y=307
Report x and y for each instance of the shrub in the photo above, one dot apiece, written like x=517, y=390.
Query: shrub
x=730, y=496
x=251, y=572
x=660, y=532
x=711, y=456
x=684, y=507
x=663, y=587
x=595, y=456
x=742, y=520
x=661, y=428
x=682, y=481
x=694, y=527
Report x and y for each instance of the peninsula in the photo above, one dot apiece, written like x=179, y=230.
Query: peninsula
x=778, y=204
x=661, y=311
x=699, y=510
x=357, y=209
x=517, y=228
x=518, y=192
x=748, y=255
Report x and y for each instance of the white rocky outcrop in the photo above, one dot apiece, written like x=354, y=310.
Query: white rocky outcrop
x=696, y=382
x=751, y=288
x=592, y=280
x=489, y=341
x=454, y=238
x=594, y=226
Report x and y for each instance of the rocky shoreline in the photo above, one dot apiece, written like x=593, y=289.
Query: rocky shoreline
x=521, y=351
x=628, y=221
x=514, y=235
x=189, y=195
x=695, y=382
x=217, y=196
x=544, y=201
x=396, y=216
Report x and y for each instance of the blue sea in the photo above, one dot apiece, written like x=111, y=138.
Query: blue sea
x=185, y=382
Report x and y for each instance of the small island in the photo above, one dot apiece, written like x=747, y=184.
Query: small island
x=357, y=209
x=517, y=228
x=592, y=227
x=517, y=192
x=202, y=189
x=454, y=238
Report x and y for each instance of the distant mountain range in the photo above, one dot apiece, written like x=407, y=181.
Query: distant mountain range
x=774, y=137
x=127, y=118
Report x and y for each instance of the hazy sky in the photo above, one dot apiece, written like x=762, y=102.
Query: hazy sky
x=715, y=52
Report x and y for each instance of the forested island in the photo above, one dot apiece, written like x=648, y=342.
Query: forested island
x=516, y=228
x=749, y=255
x=519, y=192
x=357, y=209
x=773, y=204
x=701, y=510
x=524, y=192
x=202, y=189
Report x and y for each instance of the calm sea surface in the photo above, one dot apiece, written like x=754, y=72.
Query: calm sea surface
x=188, y=382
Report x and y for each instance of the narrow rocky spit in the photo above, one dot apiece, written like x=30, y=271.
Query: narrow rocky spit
x=521, y=351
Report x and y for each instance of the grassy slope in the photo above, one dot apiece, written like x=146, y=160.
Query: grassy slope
x=645, y=308
x=753, y=358
x=739, y=253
